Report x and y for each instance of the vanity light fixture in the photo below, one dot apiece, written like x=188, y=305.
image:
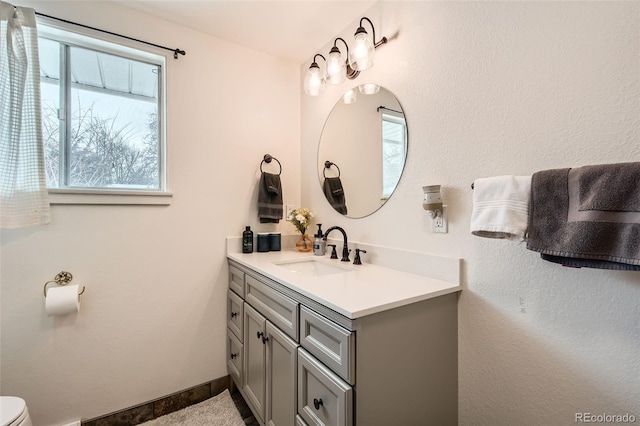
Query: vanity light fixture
x=314, y=80
x=357, y=59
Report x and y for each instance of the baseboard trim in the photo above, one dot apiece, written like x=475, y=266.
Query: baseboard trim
x=164, y=405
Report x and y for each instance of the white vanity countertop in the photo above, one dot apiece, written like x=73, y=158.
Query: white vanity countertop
x=364, y=290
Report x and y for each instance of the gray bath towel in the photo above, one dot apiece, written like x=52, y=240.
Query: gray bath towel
x=564, y=234
x=269, y=198
x=335, y=194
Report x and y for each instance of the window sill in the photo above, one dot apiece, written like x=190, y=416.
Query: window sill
x=109, y=197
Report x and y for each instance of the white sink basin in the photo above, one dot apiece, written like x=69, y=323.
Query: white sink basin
x=313, y=267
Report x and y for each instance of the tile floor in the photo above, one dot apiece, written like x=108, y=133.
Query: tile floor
x=243, y=408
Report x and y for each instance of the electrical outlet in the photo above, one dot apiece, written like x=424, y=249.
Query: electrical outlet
x=439, y=223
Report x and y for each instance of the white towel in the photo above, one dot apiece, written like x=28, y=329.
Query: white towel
x=501, y=207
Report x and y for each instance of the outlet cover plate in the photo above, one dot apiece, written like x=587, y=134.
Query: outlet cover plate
x=440, y=223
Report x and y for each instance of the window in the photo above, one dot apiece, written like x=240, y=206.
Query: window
x=102, y=114
x=394, y=149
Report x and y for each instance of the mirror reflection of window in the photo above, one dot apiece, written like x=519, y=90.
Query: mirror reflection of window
x=394, y=149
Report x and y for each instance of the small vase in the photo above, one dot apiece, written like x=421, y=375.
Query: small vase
x=304, y=243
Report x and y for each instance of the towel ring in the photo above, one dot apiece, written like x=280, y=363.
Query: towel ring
x=63, y=278
x=267, y=159
x=327, y=165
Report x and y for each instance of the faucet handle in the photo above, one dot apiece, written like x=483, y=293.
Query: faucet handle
x=357, y=260
x=334, y=254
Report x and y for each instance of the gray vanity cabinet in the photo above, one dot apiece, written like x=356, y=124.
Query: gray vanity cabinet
x=303, y=364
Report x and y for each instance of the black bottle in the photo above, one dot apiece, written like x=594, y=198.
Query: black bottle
x=319, y=245
x=247, y=240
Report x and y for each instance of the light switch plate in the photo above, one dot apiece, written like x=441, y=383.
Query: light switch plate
x=288, y=211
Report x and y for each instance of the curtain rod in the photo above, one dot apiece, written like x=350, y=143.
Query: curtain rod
x=388, y=109
x=175, y=51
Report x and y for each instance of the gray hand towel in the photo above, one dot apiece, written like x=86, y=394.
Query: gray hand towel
x=269, y=198
x=334, y=192
x=564, y=234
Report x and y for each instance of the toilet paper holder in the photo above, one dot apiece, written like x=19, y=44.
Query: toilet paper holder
x=63, y=278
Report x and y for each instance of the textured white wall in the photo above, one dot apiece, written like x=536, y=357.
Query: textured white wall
x=494, y=88
x=152, y=320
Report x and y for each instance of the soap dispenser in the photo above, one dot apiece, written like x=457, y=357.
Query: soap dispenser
x=319, y=244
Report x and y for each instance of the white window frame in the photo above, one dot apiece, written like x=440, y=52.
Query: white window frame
x=397, y=118
x=69, y=34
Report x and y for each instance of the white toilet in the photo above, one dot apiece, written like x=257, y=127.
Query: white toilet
x=13, y=411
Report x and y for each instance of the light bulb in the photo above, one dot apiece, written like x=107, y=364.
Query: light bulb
x=336, y=69
x=362, y=53
x=314, y=82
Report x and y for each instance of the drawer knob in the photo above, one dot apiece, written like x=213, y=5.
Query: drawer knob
x=317, y=403
x=233, y=356
x=259, y=334
x=234, y=314
x=264, y=340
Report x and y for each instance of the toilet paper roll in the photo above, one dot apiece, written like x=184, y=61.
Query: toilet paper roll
x=62, y=300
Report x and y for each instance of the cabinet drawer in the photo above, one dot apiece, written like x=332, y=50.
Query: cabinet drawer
x=234, y=358
x=281, y=310
x=332, y=344
x=236, y=280
x=235, y=314
x=323, y=397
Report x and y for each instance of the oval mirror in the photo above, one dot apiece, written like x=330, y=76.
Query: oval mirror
x=362, y=151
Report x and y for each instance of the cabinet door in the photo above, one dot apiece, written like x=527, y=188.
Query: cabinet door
x=254, y=360
x=281, y=378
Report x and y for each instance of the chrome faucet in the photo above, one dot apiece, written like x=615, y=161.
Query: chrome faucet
x=345, y=247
